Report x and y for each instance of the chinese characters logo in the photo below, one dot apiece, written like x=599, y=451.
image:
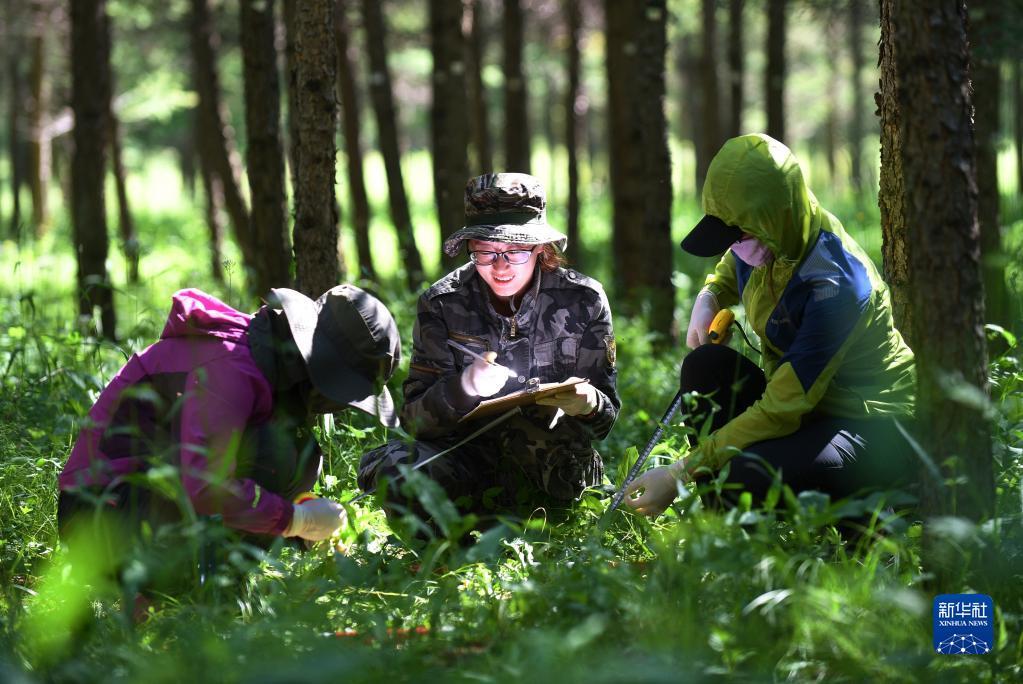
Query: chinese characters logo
x=963, y=624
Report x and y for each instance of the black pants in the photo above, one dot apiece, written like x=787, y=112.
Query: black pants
x=835, y=455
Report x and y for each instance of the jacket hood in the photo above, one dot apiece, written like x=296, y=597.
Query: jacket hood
x=754, y=182
x=197, y=314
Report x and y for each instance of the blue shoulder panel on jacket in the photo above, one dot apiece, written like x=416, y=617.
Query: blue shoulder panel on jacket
x=819, y=308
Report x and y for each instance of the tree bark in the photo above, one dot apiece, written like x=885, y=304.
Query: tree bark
x=38, y=139
x=892, y=196
x=264, y=154
x=986, y=27
x=90, y=100
x=214, y=194
x=710, y=138
x=856, y=119
x=317, y=251
x=484, y=159
x=574, y=102
x=776, y=68
x=736, y=66
x=640, y=164
x=14, y=128
x=516, y=126
x=289, y=13
x=941, y=212
x=218, y=134
x=382, y=99
x=449, y=126
x=351, y=125
x=125, y=224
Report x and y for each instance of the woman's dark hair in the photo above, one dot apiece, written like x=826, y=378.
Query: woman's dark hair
x=550, y=258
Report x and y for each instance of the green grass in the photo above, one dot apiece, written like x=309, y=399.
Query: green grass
x=696, y=595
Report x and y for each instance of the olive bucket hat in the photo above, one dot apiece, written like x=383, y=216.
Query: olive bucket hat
x=350, y=344
x=505, y=207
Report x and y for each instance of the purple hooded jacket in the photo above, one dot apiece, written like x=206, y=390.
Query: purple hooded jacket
x=203, y=365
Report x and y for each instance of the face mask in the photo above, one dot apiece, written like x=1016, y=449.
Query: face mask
x=752, y=251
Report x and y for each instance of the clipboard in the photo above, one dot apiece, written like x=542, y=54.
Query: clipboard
x=524, y=397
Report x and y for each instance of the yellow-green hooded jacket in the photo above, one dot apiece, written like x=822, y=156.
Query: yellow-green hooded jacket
x=820, y=308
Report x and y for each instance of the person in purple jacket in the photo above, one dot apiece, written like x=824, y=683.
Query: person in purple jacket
x=227, y=399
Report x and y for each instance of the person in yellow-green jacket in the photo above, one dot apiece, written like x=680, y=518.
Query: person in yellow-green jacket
x=836, y=373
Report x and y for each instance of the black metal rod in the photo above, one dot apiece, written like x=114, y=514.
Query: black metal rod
x=675, y=403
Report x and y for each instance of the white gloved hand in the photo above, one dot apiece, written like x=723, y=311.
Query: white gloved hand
x=483, y=379
x=659, y=487
x=316, y=519
x=705, y=308
x=578, y=400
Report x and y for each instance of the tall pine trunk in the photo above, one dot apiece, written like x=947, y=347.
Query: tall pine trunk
x=856, y=83
x=351, y=126
x=710, y=137
x=985, y=73
x=941, y=219
x=14, y=127
x=640, y=164
x=449, y=125
x=480, y=123
x=774, y=75
x=516, y=123
x=218, y=136
x=38, y=139
x=90, y=101
x=130, y=246
x=382, y=98
x=317, y=250
x=214, y=194
x=573, y=104
x=892, y=196
x=736, y=67
x=264, y=154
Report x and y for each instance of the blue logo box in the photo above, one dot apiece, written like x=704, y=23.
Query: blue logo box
x=964, y=624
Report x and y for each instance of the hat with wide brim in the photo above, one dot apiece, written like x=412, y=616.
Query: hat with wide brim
x=505, y=207
x=710, y=237
x=350, y=344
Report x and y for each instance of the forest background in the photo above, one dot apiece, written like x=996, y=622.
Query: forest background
x=150, y=146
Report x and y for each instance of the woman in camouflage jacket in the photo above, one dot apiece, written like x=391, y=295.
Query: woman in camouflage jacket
x=534, y=321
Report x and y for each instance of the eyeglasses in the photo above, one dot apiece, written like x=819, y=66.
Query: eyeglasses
x=512, y=256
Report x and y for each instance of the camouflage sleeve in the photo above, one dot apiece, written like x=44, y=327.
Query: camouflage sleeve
x=596, y=362
x=434, y=399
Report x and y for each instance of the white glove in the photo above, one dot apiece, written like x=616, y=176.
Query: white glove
x=705, y=308
x=483, y=379
x=316, y=519
x=659, y=487
x=578, y=400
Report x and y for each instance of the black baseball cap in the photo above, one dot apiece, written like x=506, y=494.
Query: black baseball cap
x=710, y=237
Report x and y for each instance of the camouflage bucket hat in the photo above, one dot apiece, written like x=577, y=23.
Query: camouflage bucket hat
x=505, y=207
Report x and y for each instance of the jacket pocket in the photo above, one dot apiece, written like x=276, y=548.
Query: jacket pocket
x=473, y=342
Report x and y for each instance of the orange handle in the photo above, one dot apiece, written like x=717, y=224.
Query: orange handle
x=719, y=326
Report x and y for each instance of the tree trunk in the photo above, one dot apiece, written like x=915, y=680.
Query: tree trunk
x=14, y=131
x=986, y=26
x=892, y=196
x=736, y=66
x=90, y=100
x=1017, y=128
x=640, y=165
x=484, y=162
x=125, y=224
x=218, y=134
x=351, y=125
x=831, y=120
x=516, y=126
x=39, y=139
x=214, y=194
x=387, y=133
x=775, y=72
x=289, y=14
x=710, y=138
x=317, y=250
x=856, y=119
x=264, y=155
x=941, y=212
x=449, y=126
x=574, y=103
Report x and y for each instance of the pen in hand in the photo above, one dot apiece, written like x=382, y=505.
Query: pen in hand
x=463, y=348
